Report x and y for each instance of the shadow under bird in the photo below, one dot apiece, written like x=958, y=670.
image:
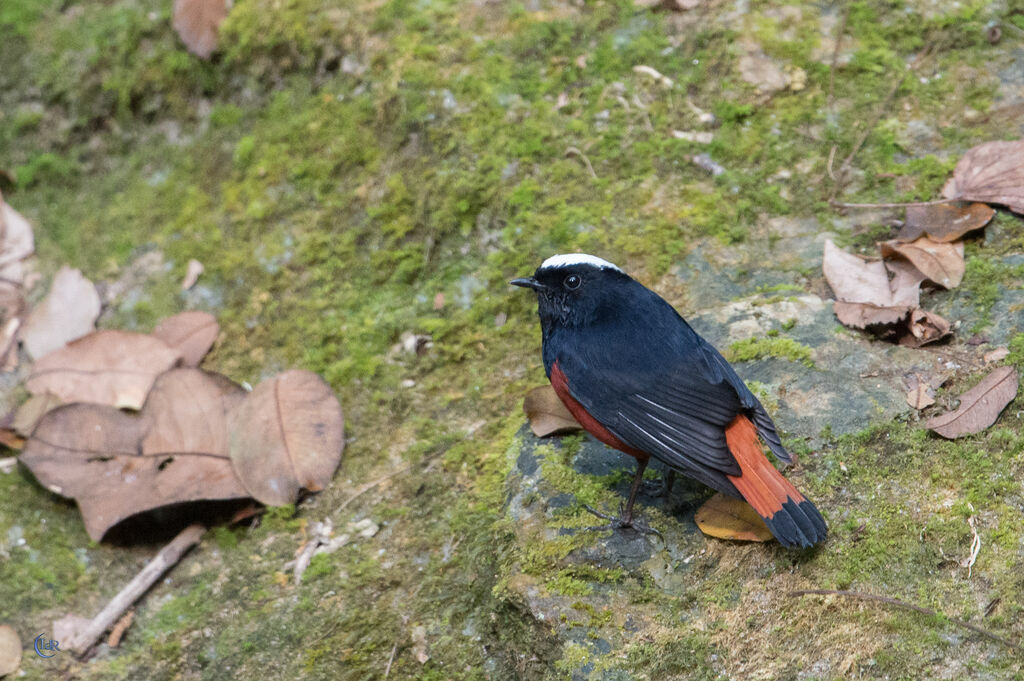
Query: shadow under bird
x=640, y=380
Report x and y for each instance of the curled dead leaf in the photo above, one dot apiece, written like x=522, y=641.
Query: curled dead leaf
x=191, y=333
x=547, y=414
x=923, y=327
x=944, y=222
x=116, y=464
x=992, y=172
x=727, y=517
x=942, y=263
x=110, y=367
x=198, y=24
x=10, y=650
x=287, y=435
x=980, y=406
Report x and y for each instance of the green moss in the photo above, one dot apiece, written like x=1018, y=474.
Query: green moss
x=750, y=349
x=331, y=200
x=1016, y=347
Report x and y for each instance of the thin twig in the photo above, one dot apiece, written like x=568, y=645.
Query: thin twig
x=835, y=54
x=831, y=160
x=387, y=670
x=903, y=604
x=975, y=545
x=869, y=128
x=908, y=204
x=573, y=151
x=370, y=485
x=164, y=560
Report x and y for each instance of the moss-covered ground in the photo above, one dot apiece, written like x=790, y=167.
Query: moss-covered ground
x=341, y=163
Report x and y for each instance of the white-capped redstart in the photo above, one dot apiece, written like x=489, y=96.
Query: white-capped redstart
x=639, y=379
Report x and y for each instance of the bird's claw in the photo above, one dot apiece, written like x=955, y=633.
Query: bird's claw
x=621, y=522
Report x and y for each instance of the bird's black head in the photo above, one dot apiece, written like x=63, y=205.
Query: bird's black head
x=575, y=290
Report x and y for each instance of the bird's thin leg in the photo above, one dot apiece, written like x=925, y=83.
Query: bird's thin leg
x=625, y=518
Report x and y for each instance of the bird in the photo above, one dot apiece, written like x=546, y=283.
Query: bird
x=638, y=378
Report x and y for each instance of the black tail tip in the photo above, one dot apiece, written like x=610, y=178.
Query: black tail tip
x=798, y=524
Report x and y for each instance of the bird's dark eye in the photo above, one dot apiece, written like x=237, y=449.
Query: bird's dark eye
x=573, y=281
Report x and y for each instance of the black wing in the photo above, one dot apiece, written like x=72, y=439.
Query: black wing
x=677, y=411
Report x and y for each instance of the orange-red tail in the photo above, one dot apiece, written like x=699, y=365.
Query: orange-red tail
x=789, y=515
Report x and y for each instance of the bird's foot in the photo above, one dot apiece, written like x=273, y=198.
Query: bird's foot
x=622, y=521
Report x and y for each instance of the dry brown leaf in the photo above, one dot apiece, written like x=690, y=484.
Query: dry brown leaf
x=980, y=406
x=116, y=464
x=69, y=311
x=996, y=355
x=547, y=414
x=117, y=633
x=17, y=241
x=198, y=23
x=992, y=172
x=287, y=435
x=943, y=263
x=188, y=411
x=195, y=268
x=944, y=222
x=106, y=367
x=905, y=284
x=924, y=327
x=864, y=315
x=727, y=517
x=921, y=396
x=854, y=280
x=29, y=413
x=10, y=439
x=191, y=333
x=10, y=650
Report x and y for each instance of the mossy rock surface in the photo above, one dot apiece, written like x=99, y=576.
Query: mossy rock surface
x=339, y=167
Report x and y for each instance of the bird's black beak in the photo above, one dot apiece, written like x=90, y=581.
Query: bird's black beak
x=527, y=282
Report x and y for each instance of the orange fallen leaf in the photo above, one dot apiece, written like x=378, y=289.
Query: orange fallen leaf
x=547, y=414
x=727, y=517
x=10, y=439
x=980, y=406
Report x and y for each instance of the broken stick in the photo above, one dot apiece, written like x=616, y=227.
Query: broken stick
x=169, y=555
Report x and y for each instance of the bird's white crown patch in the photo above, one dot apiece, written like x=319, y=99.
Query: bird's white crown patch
x=569, y=259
